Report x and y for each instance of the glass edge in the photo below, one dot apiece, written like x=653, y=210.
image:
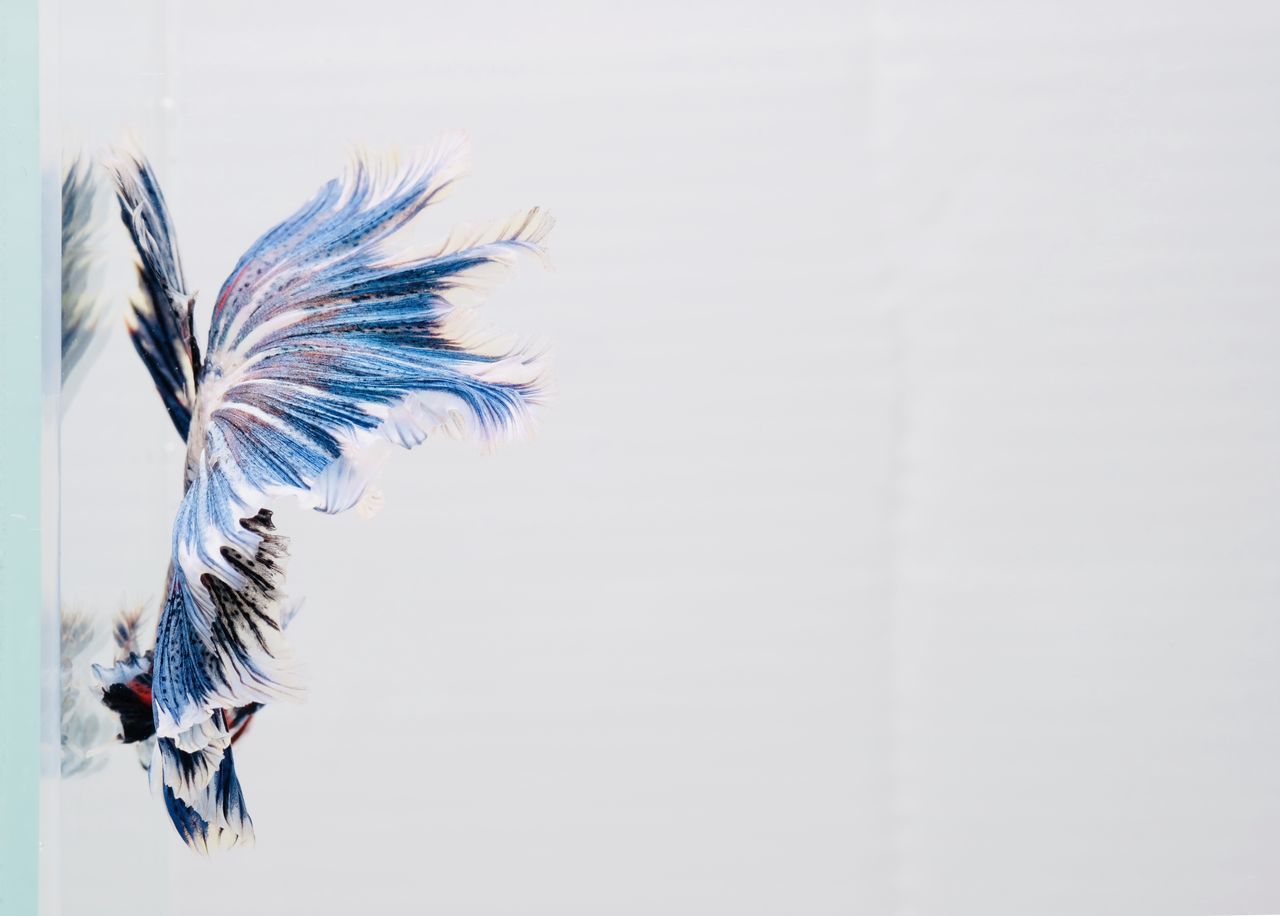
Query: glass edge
x=30, y=345
x=21, y=418
x=48, y=867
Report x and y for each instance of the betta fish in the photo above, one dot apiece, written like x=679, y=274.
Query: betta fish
x=323, y=344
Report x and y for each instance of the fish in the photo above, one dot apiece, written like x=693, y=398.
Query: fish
x=329, y=340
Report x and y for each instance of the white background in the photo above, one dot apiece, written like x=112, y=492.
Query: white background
x=903, y=535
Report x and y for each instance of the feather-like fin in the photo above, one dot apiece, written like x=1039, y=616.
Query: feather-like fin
x=320, y=345
x=160, y=318
x=214, y=818
x=230, y=650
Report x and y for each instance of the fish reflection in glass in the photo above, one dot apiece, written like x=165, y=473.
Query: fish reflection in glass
x=84, y=318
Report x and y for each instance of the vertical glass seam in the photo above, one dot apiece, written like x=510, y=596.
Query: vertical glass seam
x=21, y=529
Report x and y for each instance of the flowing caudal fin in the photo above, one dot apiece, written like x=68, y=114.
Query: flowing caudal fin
x=211, y=816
